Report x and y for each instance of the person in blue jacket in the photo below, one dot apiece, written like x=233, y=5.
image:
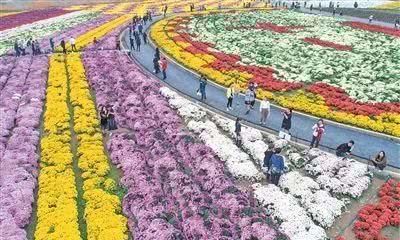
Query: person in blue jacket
x=277, y=166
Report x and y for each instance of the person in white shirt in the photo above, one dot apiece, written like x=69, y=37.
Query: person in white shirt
x=72, y=42
x=265, y=108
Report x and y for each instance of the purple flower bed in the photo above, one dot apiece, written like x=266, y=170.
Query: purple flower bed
x=15, y=20
x=22, y=94
x=177, y=187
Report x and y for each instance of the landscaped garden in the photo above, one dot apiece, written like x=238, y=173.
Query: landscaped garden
x=172, y=169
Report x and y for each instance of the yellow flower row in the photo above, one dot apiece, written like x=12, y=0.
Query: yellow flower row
x=299, y=100
x=103, y=208
x=389, y=5
x=57, y=214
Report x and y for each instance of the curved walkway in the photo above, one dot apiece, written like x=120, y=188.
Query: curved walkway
x=185, y=81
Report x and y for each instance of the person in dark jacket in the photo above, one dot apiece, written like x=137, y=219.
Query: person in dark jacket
x=17, y=49
x=238, y=130
x=345, y=149
x=103, y=113
x=156, y=65
x=138, y=42
x=62, y=44
x=379, y=161
x=287, y=119
x=202, y=87
x=111, y=123
x=267, y=160
x=131, y=43
x=157, y=54
x=144, y=38
x=277, y=166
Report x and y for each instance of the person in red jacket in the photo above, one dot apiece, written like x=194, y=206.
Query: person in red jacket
x=163, y=65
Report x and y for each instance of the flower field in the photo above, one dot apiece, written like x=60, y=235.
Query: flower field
x=324, y=66
x=171, y=170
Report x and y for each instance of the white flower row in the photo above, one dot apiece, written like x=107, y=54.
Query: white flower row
x=341, y=176
x=42, y=28
x=285, y=209
x=237, y=162
x=318, y=203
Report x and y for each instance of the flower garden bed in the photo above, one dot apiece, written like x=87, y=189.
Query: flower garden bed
x=304, y=68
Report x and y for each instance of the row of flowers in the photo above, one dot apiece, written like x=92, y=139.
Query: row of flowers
x=163, y=164
x=15, y=20
x=373, y=218
x=57, y=213
x=42, y=29
x=102, y=207
x=311, y=198
x=23, y=84
x=318, y=99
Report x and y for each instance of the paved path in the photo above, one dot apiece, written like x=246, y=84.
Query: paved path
x=186, y=82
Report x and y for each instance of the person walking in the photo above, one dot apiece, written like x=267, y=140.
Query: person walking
x=144, y=38
x=156, y=65
x=157, y=54
x=344, y=149
x=202, y=87
x=52, y=44
x=229, y=95
x=318, y=131
x=131, y=43
x=379, y=161
x=163, y=65
x=37, y=47
x=33, y=47
x=72, y=42
x=248, y=99
x=265, y=109
x=238, y=130
x=138, y=42
x=277, y=166
x=140, y=28
x=62, y=44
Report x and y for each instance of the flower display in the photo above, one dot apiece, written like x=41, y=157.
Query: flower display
x=163, y=164
x=372, y=218
x=319, y=67
x=102, y=209
x=57, y=213
x=15, y=20
x=23, y=85
x=42, y=29
x=341, y=176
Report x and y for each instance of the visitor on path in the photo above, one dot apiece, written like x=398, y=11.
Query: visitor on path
x=287, y=120
x=22, y=48
x=277, y=166
x=165, y=10
x=131, y=43
x=144, y=38
x=248, y=99
x=16, y=49
x=334, y=12
x=344, y=149
x=370, y=18
x=238, y=130
x=311, y=7
x=72, y=42
x=265, y=108
x=103, y=117
x=138, y=42
x=111, y=123
x=202, y=87
x=267, y=160
x=355, y=5
x=157, y=54
x=318, y=131
x=379, y=161
x=156, y=64
x=229, y=95
x=33, y=47
x=163, y=65
x=149, y=16
x=140, y=28
x=52, y=44
x=62, y=44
